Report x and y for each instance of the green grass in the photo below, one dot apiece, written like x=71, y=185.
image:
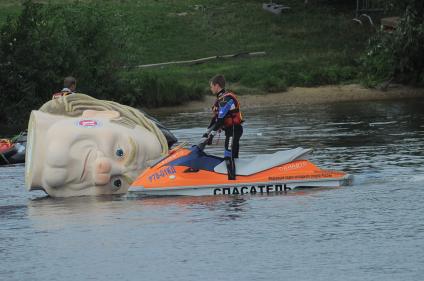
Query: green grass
x=305, y=47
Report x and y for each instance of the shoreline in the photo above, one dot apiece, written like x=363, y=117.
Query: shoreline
x=303, y=96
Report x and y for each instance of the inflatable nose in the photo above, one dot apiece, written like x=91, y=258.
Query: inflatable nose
x=103, y=167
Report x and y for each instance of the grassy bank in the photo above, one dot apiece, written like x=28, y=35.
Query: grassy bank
x=310, y=46
x=305, y=47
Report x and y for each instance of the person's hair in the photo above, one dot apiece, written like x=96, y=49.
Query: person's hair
x=69, y=81
x=218, y=79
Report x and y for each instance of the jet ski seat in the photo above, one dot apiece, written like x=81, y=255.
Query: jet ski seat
x=250, y=166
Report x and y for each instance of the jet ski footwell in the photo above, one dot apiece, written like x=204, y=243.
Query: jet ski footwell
x=194, y=173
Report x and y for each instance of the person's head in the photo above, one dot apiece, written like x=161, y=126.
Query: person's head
x=70, y=83
x=96, y=153
x=217, y=83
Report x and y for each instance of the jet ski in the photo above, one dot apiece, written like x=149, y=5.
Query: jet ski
x=192, y=172
x=12, y=151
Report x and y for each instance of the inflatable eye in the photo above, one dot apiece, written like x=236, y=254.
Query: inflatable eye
x=119, y=152
x=117, y=183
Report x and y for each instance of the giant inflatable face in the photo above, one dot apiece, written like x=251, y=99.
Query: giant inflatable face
x=87, y=155
x=95, y=152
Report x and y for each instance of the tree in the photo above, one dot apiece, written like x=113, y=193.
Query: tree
x=48, y=42
x=398, y=56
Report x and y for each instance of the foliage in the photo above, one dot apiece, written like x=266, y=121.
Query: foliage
x=398, y=55
x=45, y=44
x=152, y=90
x=305, y=47
x=379, y=60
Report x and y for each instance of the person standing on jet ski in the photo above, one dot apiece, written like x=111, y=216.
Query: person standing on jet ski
x=227, y=116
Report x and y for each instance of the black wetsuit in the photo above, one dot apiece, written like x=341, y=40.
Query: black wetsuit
x=224, y=104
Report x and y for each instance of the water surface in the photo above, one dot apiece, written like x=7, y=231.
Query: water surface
x=373, y=230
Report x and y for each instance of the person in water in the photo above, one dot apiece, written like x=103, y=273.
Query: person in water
x=226, y=116
x=69, y=87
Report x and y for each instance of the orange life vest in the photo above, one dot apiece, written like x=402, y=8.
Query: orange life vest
x=234, y=116
x=60, y=94
x=5, y=144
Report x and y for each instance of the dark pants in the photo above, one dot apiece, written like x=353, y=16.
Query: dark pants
x=232, y=139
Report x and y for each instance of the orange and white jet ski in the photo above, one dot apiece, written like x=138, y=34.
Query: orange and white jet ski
x=193, y=172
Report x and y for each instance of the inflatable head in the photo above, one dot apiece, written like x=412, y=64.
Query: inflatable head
x=88, y=151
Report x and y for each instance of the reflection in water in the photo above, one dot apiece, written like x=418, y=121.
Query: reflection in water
x=373, y=230
x=49, y=213
x=235, y=208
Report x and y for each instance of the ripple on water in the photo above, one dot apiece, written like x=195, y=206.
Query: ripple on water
x=372, y=230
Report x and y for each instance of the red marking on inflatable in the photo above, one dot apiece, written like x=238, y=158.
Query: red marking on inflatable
x=88, y=123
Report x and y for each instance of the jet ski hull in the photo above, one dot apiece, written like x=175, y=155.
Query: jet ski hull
x=169, y=177
x=239, y=189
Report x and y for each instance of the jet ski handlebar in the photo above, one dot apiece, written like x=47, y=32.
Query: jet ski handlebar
x=206, y=139
x=202, y=143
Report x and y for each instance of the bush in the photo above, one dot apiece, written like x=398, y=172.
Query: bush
x=48, y=42
x=152, y=90
x=378, y=62
x=398, y=55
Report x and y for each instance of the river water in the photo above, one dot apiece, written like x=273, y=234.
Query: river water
x=373, y=230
